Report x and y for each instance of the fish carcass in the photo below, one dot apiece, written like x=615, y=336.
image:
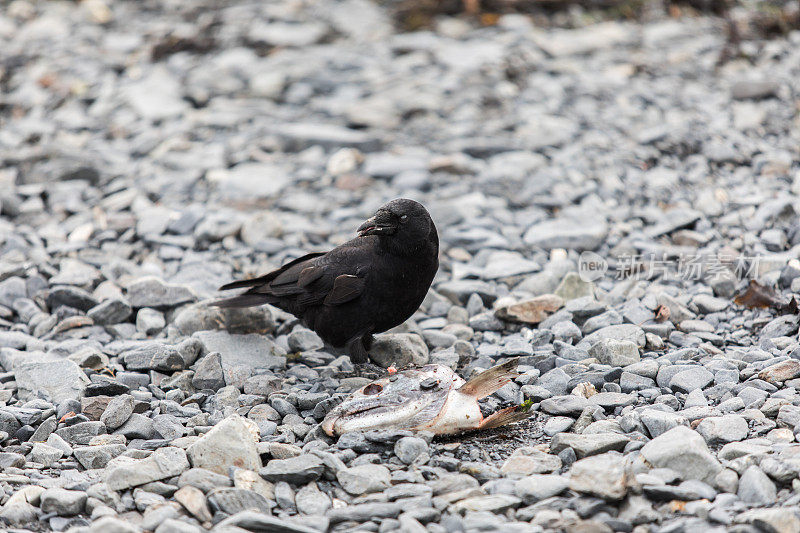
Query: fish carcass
x=431, y=398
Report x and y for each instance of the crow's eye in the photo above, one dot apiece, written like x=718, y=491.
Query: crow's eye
x=372, y=388
x=403, y=218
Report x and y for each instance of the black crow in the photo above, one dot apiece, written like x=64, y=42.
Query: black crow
x=367, y=285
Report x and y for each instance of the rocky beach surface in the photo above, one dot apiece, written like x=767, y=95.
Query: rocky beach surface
x=152, y=151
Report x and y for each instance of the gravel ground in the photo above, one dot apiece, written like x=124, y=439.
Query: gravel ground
x=152, y=151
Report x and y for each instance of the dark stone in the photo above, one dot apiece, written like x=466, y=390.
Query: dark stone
x=106, y=388
x=71, y=297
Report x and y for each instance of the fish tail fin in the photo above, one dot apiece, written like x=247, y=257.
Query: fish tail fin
x=490, y=380
x=505, y=416
x=243, y=300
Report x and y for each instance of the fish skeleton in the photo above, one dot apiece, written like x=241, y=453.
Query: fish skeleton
x=431, y=398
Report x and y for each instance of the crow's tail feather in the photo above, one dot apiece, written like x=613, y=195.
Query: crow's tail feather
x=243, y=300
x=242, y=283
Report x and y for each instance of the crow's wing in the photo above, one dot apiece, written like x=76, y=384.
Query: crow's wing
x=332, y=278
x=266, y=278
x=345, y=288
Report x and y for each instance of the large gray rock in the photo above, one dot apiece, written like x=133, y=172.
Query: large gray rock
x=603, y=476
x=202, y=316
x=242, y=355
x=538, y=487
x=161, y=357
x=567, y=233
x=11, y=460
x=780, y=372
x=59, y=380
x=723, y=429
x=208, y=372
x=615, y=352
x=235, y=500
x=111, y=311
x=363, y=479
x=255, y=521
x=295, y=470
x=402, y=349
x=659, y=422
x=299, y=136
x=407, y=449
x=620, y=332
x=63, y=502
x=230, y=443
x=684, y=451
x=153, y=292
x=118, y=411
x=572, y=286
x=777, y=519
x=203, y=479
x=312, y=501
x=492, y=503
x=98, y=456
x=149, y=321
x=250, y=179
x=11, y=290
x=756, y=488
x=588, y=444
x=693, y=378
x=69, y=296
x=45, y=454
x=567, y=405
x=82, y=432
x=137, y=427
x=164, y=462
x=527, y=460
x=156, y=96
x=110, y=524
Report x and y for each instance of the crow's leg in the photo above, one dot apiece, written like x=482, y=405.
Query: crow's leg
x=358, y=348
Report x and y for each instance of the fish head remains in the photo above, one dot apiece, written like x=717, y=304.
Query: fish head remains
x=404, y=400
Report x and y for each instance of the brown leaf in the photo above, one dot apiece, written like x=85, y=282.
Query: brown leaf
x=531, y=311
x=758, y=295
x=662, y=313
x=489, y=19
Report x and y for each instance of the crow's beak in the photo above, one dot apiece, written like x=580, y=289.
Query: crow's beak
x=376, y=225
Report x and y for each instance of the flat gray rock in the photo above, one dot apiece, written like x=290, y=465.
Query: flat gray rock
x=230, y=443
x=600, y=475
x=154, y=292
x=255, y=521
x=755, y=487
x=295, y=470
x=566, y=233
x=586, y=445
x=163, y=463
x=241, y=355
x=57, y=380
x=723, y=429
x=684, y=451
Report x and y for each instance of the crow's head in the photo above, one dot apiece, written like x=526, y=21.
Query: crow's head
x=403, y=225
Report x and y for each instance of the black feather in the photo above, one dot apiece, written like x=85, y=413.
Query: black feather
x=243, y=300
x=242, y=283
